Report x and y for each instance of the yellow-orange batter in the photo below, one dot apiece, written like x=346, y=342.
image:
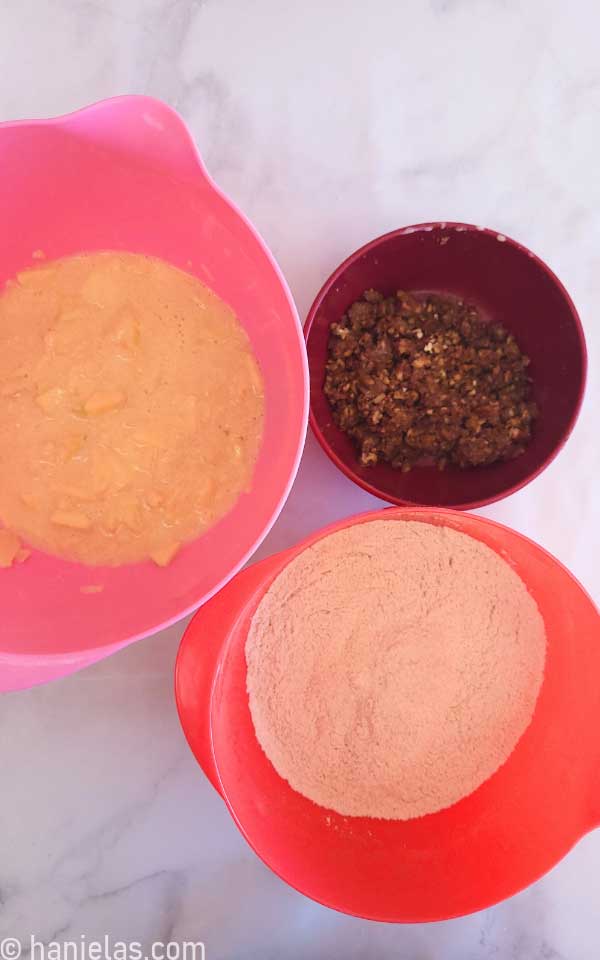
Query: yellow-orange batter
x=131, y=408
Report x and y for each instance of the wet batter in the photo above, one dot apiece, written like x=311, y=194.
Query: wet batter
x=131, y=408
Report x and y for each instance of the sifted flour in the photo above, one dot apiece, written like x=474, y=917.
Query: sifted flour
x=392, y=668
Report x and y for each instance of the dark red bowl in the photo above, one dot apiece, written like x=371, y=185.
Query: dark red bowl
x=508, y=284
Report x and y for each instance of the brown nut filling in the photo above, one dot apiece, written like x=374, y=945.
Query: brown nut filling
x=417, y=380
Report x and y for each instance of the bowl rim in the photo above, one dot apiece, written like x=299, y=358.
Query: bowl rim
x=459, y=227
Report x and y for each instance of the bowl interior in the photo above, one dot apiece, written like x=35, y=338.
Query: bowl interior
x=486, y=847
x=510, y=286
x=62, y=191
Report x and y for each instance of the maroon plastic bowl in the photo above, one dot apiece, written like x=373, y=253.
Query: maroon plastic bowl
x=508, y=284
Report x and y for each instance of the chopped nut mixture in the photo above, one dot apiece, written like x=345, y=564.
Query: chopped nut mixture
x=422, y=380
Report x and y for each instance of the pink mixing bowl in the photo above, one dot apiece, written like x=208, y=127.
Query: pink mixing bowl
x=124, y=174
x=510, y=285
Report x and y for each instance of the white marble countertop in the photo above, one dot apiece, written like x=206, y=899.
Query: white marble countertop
x=328, y=122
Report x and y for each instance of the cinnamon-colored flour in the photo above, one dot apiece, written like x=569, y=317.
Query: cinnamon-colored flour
x=392, y=668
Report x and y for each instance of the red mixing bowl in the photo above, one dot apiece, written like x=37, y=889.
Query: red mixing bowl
x=509, y=285
x=489, y=845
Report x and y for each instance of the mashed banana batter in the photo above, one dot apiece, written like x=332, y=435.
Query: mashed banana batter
x=131, y=408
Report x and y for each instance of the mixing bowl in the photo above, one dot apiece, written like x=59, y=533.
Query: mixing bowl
x=491, y=844
x=124, y=175
x=508, y=284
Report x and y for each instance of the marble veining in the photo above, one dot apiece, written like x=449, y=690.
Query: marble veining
x=328, y=122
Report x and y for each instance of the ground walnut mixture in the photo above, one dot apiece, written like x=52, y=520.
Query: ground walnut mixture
x=423, y=379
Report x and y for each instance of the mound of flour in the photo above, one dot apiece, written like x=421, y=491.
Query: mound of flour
x=392, y=668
